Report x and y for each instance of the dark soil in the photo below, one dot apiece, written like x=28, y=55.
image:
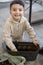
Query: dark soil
x=22, y=46
x=27, y=48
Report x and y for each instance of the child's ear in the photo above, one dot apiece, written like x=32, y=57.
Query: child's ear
x=23, y=12
x=10, y=12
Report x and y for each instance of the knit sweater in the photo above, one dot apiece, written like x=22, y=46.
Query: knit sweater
x=13, y=31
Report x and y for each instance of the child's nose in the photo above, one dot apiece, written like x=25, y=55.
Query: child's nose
x=17, y=11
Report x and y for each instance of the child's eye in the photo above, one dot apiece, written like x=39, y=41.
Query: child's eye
x=20, y=9
x=14, y=9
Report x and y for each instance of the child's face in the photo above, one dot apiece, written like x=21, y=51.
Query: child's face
x=17, y=11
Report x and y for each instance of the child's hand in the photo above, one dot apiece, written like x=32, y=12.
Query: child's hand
x=35, y=42
x=15, y=49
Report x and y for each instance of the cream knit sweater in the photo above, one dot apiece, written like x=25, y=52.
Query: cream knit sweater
x=13, y=30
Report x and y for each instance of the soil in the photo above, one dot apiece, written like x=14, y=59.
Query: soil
x=27, y=48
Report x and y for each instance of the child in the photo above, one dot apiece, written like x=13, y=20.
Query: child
x=16, y=25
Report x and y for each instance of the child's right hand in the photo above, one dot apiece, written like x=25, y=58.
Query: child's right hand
x=15, y=49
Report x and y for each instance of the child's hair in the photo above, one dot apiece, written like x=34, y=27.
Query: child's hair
x=17, y=2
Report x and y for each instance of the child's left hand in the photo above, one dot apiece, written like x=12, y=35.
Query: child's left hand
x=35, y=42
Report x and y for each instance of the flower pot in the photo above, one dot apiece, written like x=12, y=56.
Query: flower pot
x=26, y=49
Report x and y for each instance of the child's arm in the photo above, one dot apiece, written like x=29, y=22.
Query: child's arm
x=8, y=38
x=31, y=32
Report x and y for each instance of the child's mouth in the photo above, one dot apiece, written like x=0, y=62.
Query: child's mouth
x=17, y=15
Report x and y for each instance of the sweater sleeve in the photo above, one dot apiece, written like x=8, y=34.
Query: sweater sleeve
x=30, y=31
x=7, y=36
